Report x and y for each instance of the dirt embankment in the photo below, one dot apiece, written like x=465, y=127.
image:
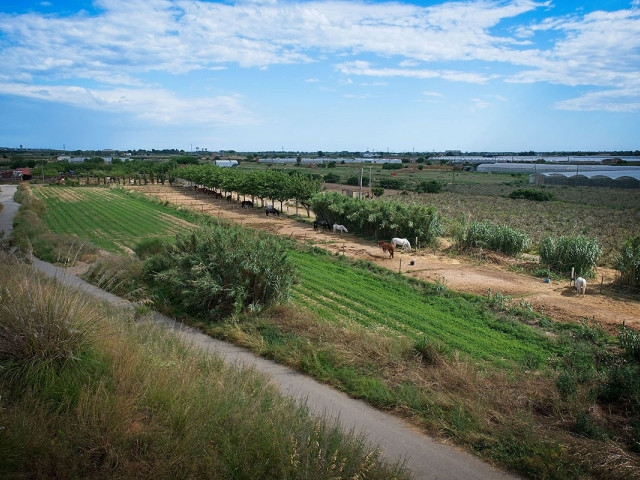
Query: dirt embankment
x=491, y=274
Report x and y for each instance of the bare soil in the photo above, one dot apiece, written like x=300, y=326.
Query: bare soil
x=484, y=273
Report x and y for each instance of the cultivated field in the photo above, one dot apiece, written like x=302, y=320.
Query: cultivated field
x=486, y=372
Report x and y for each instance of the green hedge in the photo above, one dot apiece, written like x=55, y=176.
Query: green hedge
x=380, y=218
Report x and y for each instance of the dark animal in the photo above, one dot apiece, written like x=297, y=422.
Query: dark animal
x=246, y=204
x=272, y=210
x=386, y=247
x=321, y=223
x=228, y=198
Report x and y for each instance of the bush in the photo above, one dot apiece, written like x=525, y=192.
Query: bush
x=332, y=178
x=531, y=194
x=630, y=341
x=148, y=247
x=391, y=166
x=377, y=191
x=393, y=183
x=379, y=218
x=628, y=262
x=220, y=270
x=431, y=186
x=566, y=252
x=499, y=238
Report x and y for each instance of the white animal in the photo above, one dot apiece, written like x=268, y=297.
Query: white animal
x=581, y=285
x=401, y=242
x=339, y=228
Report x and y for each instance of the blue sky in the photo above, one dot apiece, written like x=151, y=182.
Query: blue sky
x=321, y=75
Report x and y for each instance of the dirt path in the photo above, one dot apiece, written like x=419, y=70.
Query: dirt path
x=557, y=299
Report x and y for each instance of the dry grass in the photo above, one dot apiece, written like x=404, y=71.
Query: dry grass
x=515, y=418
x=121, y=398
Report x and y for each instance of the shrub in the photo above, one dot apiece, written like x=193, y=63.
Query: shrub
x=566, y=252
x=379, y=218
x=377, y=191
x=393, y=183
x=628, y=262
x=148, y=247
x=531, y=194
x=391, y=166
x=221, y=270
x=630, y=341
x=499, y=238
x=431, y=186
x=332, y=178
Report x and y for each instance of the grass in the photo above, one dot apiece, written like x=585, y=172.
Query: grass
x=117, y=219
x=134, y=401
x=458, y=366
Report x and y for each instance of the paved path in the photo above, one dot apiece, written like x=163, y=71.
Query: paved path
x=9, y=210
x=426, y=458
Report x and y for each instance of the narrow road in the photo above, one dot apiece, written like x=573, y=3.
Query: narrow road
x=425, y=458
x=8, y=212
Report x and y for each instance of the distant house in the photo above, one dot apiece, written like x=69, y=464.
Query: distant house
x=226, y=163
x=17, y=174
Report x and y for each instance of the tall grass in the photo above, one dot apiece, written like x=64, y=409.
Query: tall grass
x=628, y=262
x=563, y=253
x=499, y=238
x=221, y=270
x=146, y=404
x=43, y=328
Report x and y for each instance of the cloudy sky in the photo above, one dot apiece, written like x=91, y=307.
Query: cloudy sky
x=327, y=75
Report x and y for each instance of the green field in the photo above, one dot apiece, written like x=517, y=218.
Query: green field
x=109, y=218
x=341, y=293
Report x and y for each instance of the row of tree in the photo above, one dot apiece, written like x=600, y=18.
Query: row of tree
x=276, y=185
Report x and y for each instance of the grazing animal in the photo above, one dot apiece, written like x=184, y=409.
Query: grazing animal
x=401, y=242
x=246, y=204
x=320, y=223
x=386, y=247
x=228, y=198
x=340, y=228
x=272, y=210
x=581, y=286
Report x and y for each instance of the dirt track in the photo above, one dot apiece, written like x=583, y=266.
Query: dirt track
x=557, y=299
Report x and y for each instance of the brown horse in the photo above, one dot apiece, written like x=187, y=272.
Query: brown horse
x=386, y=247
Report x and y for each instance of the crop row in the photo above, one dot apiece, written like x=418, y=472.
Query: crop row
x=361, y=296
x=109, y=219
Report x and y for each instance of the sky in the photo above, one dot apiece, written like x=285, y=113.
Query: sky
x=320, y=75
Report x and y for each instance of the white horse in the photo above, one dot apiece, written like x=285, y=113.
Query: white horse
x=581, y=285
x=339, y=228
x=401, y=242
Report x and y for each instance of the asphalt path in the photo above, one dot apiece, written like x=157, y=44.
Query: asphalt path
x=8, y=212
x=425, y=458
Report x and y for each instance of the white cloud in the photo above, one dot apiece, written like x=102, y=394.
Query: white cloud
x=155, y=105
x=451, y=41
x=620, y=100
x=365, y=68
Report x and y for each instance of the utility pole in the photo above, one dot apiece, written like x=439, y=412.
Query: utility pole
x=361, y=171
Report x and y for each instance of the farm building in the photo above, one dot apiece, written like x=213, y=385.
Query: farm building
x=226, y=163
x=17, y=174
x=629, y=178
